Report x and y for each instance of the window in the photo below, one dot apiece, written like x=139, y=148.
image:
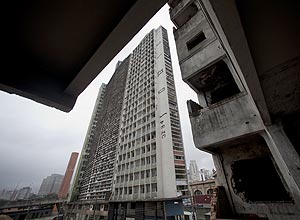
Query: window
x=136, y=189
x=136, y=176
x=198, y=192
x=142, y=174
x=154, y=187
x=195, y=40
x=137, y=163
x=147, y=173
x=147, y=188
x=137, y=151
x=153, y=171
x=153, y=159
x=148, y=146
x=210, y=191
x=129, y=190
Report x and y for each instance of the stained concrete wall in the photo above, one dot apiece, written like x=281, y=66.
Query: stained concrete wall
x=246, y=150
x=227, y=120
x=269, y=89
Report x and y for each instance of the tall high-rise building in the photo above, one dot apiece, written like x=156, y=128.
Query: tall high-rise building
x=51, y=184
x=64, y=189
x=90, y=135
x=150, y=158
x=135, y=152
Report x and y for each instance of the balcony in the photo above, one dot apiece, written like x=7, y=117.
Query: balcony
x=201, y=59
x=224, y=121
x=178, y=8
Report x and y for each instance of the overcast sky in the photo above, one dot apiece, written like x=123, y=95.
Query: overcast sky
x=36, y=140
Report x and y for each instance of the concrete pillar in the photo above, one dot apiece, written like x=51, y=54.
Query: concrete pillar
x=222, y=178
x=286, y=158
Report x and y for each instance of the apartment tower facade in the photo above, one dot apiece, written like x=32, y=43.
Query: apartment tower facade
x=146, y=157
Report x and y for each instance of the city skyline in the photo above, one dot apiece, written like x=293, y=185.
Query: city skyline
x=48, y=135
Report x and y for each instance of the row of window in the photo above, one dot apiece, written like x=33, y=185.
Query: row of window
x=136, y=176
x=138, y=131
x=137, y=163
x=136, y=189
x=138, y=151
x=138, y=139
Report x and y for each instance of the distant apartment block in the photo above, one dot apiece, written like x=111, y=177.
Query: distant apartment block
x=6, y=194
x=17, y=194
x=23, y=193
x=51, y=184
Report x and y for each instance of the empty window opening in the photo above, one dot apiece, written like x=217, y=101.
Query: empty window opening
x=173, y=3
x=252, y=178
x=185, y=15
x=216, y=83
x=195, y=40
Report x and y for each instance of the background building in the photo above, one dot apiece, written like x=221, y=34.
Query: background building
x=151, y=162
x=93, y=181
x=23, y=193
x=97, y=174
x=64, y=189
x=194, y=174
x=205, y=174
x=17, y=194
x=6, y=194
x=202, y=187
x=84, y=156
x=51, y=184
x=136, y=156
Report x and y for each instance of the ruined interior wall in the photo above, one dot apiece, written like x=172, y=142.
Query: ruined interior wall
x=252, y=180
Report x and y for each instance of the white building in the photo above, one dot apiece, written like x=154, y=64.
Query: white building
x=150, y=157
x=205, y=174
x=194, y=174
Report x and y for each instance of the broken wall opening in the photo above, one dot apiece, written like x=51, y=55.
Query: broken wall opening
x=252, y=171
x=186, y=14
x=174, y=3
x=216, y=83
x=258, y=180
x=291, y=126
x=196, y=40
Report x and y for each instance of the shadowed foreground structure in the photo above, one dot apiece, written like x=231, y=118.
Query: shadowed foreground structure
x=243, y=60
